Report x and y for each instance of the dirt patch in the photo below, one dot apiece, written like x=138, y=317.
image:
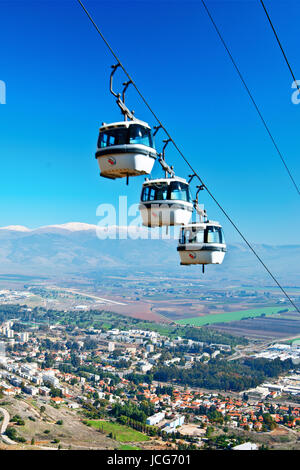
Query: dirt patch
x=192, y=430
x=71, y=434
x=140, y=310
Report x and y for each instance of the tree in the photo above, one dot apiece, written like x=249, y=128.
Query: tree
x=209, y=431
x=56, y=392
x=123, y=420
x=75, y=361
x=263, y=447
x=269, y=421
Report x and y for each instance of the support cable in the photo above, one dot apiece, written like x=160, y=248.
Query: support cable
x=252, y=99
x=187, y=162
x=280, y=45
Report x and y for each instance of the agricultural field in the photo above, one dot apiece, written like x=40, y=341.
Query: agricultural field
x=294, y=341
x=232, y=316
x=261, y=328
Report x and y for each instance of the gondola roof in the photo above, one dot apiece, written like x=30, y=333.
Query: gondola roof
x=202, y=225
x=123, y=124
x=164, y=180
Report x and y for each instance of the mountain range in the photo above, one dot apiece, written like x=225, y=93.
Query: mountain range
x=76, y=249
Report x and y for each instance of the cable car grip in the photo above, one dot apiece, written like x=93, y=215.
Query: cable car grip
x=157, y=129
x=191, y=177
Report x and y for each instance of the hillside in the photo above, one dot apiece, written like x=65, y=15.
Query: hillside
x=75, y=249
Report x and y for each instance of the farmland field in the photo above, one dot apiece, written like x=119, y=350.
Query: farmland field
x=261, y=328
x=231, y=316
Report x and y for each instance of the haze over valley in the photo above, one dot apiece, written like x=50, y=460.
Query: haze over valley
x=75, y=249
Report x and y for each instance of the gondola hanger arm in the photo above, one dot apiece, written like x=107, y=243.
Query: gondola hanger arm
x=114, y=68
x=126, y=85
x=167, y=169
x=121, y=102
x=166, y=141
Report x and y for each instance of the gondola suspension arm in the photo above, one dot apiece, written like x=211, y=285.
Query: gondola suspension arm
x=162, y=160
x=121, y=102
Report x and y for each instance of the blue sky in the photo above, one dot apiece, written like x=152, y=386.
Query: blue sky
x=56, y=69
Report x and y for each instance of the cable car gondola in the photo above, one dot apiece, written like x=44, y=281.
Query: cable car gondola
x=125, y=149
x=202, y=243
x=165, y=202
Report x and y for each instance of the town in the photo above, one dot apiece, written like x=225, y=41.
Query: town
x=111, y=379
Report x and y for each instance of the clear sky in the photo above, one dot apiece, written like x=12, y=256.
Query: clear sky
x=56, y=69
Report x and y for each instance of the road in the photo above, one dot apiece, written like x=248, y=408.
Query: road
x=250, y=349
x=9, y=441
x=92, y=296
x=4, y=425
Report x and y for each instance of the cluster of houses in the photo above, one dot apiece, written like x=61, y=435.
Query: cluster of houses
x=141, y=349
x=236, y=412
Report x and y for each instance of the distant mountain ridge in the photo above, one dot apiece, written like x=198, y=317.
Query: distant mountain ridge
x=72, y=226
x=74, y=248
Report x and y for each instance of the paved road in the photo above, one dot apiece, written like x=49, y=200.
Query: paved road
x=114, y=302
x=5, y=420
x=255, y=348
x=5, y=438
x=4, y=425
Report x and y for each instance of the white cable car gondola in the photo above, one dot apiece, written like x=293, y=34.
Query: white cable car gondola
x=202, y=243
x=165, y=202
x=125, y=148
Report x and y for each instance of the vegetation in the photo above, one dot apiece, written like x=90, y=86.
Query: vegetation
x=135, y=412
x=12, y=434
x=118, y=431
x=223, y=441
x=101, y=319
x=223, y=375
x=231, y=316
x=208, y=335
x=17, y=420
x=128, y=447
